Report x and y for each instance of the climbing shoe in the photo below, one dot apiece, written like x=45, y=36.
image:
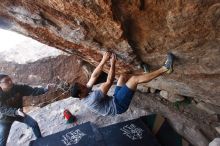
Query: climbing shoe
x=169, y=63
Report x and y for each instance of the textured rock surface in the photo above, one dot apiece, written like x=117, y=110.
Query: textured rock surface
x=135, y=30
x=209, y=108
x=171, y=97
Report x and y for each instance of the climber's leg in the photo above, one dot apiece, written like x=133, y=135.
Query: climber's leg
x=123, y=78
x=125, y=94
x=121, y=81
x=135, y=80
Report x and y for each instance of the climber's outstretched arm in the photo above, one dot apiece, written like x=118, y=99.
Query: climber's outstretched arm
x=98, y=70
x=111, y=75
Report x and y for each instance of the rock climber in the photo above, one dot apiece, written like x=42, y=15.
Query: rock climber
x=99, y=102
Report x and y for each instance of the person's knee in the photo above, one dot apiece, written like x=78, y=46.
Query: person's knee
x=126, y=77
x=133, y=79
x=123, y=76
x=132, y=83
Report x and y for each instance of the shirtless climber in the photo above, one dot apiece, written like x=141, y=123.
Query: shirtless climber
x=99, y=102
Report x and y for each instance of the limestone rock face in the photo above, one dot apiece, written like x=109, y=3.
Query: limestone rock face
x=136, y=30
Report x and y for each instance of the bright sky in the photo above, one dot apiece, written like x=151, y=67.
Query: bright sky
x=10, y=39
x=17, y=48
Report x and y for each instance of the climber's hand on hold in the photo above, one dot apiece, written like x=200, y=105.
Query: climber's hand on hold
x=106, y=56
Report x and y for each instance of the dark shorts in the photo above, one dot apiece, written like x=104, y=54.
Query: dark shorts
x=123, y=96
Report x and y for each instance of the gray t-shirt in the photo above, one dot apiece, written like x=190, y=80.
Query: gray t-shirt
x=97, y=102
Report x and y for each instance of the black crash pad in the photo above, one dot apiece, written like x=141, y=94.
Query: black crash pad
x=129, y=133
x=81, y=135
